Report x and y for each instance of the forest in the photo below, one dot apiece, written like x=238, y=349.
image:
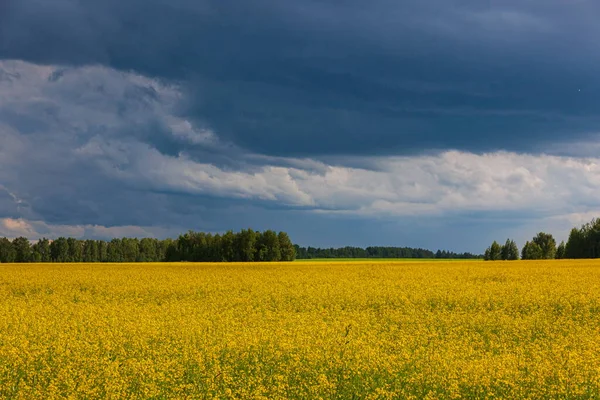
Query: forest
x=378, y=252
x=246, y=245
x=583, y=242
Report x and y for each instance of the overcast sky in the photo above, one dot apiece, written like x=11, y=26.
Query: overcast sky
x=437, y=123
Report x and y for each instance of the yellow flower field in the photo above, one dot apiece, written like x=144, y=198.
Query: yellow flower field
x=303, y=330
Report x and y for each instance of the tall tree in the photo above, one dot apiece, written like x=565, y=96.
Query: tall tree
x=575, y=247
x=494, y=252
x=59, y=250
x=547, y=245
x=228, y=252
x=532, y=251
x=41, y=251
x=148, y=250
x=75, y=250
x=510, y=251
x=287, y=249
x=22, y=248
x=246, y=245
x=560, y=251
x=7, y=251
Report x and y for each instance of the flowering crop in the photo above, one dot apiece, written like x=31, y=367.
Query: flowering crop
x=364, y=329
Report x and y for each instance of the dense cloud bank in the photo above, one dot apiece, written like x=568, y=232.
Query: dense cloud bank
x=379, y=123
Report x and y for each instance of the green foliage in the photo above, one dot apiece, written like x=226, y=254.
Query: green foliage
x=494, y=252
x=306, y=253
x=7, y=252
x=560, y=251
x=41, y=251
x=547, y=245
x=584, y=242
x=288, y=251
x=532, y=251
x=510, y=251
x=22, y=249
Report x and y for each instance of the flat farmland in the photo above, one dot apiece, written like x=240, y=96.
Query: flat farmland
x=346, y=329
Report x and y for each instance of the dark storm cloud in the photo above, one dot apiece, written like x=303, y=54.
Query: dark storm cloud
x=324, y=77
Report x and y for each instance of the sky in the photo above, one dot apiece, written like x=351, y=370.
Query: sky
x=436, y=124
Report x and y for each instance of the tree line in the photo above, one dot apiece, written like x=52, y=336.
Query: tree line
x=246, y=245
x=583, y=242
x=541, y=247
x=377, y=252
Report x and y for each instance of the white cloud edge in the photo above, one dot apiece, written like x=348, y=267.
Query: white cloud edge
x=448, y=182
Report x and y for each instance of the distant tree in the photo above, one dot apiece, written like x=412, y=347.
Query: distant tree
x=287, y=249
x=228, y=252
x=524, y=251
x=59, y=250
x=245, y=243
x=215, y=248
x=90, y=251
x=22, y=248
x=271, y=240
x=532, y=251
x=75, y=250
x=169, y=251
x=561, y=250
x=102, y=251
x=494, y=252
x=114, y=251
x=504, y=250
x=547, y=245
x=147, y=250
x=130, y=249
x=7, y=251
x=487, y=254
x=41, y=251
x=510, y=251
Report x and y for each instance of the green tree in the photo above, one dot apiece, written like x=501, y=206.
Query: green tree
x=487, y=254
x=246, y=245
x=575, y=244
x=90, y=251
x=271, y=241
x=41, y=251
x=130, y=249
x=547, y=244
x=287, y=249
x=494, y=252
x=102, y=251
x=169, y=251
x=510, y=251
x=7, y=251
x=75, y=250
x=561, y=250
x=114, y=251
x=532, y=251
x=228, y=252
x=22, y=249
x=148, y=250
x=504, y=250
x=59, y=250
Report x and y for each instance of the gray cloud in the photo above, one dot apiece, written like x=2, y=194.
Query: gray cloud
x=94, y=162
x=314, y=117
x=321, y=78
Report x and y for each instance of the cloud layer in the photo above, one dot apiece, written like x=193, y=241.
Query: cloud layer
x=436, y=124
x=323, y=77
x=84, y=149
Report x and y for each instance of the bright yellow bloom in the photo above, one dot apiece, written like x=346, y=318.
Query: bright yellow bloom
x=364, y=329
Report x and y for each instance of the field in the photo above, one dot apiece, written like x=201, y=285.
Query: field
x=303, y=330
